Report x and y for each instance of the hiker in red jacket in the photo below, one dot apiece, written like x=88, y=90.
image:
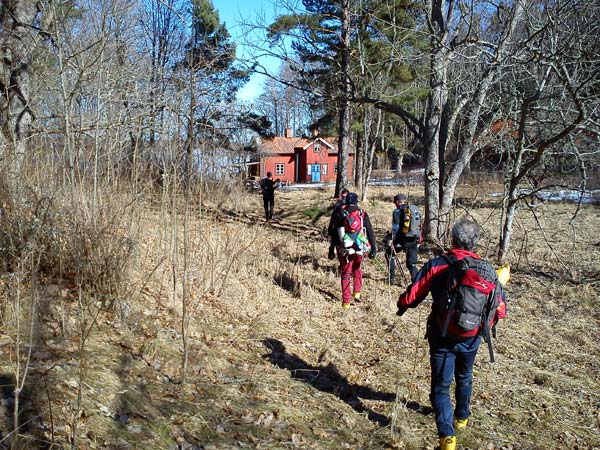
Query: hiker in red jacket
x=357, y=240
x=451, y=354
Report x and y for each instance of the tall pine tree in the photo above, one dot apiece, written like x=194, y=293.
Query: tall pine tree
x=214, y=78
x=321, y=38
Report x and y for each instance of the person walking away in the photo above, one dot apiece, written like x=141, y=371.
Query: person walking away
x=406, y=236
x=357, y=240
x=267, y=187
x=452, y=348
x=335, y=217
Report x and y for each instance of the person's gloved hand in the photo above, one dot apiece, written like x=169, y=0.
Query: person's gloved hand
x=372, y=253
x=388, y=243
x=401, y=310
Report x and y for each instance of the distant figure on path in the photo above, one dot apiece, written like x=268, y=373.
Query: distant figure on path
x=267, y=187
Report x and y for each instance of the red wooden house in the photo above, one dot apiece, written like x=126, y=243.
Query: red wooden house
x=300, y=160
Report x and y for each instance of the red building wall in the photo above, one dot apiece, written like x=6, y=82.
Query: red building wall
x=270, y=165
x=327, y=161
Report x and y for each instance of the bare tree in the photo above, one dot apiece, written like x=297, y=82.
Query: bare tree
x=18, y=34
x=555, y=97
x=284, y=104
x=460, y=34
x=163, y=32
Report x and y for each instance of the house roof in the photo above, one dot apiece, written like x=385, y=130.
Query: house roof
x=279, y=144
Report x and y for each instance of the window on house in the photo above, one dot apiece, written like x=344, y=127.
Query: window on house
x=335, y=169
x=279, y=169
x=316, y=147
x=324, y=169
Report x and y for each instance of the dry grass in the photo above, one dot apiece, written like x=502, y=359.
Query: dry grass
x=276, y=363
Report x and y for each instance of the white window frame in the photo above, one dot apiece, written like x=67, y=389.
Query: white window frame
x=279, y=169
x=335, y=169
x=317, y=147
x=324, y=169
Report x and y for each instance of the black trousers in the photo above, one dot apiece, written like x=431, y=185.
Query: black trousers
x=269, y=204
x=411, y=248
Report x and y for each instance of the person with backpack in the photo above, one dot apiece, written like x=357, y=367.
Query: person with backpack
x=356, y=240
x=468, y=300
x=405, y=236
x=335, y=216
x=267, y=187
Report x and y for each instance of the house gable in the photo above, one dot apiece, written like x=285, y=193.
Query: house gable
x=322, y=142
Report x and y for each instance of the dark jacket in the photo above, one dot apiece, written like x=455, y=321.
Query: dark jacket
x=268, y=186
x=336, y=216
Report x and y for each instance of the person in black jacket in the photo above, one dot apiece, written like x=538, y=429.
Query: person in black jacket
x=267, y=187
x=351, y=255
x=403, y=239
x=335, y=216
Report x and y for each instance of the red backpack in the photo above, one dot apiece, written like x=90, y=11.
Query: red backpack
x=355, y=237
x=472, y=300
x=353, y=222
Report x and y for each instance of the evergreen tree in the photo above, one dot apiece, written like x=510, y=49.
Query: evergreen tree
x=367, y=32
x=210, y=62
x=321, y=37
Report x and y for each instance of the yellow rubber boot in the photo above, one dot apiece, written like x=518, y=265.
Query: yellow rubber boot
x=356, y=296
x=448, y=443
x=459, y=424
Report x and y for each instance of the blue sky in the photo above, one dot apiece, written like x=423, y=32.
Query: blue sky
x=233, y=12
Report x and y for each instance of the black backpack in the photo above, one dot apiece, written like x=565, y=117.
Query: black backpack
x=471, y=300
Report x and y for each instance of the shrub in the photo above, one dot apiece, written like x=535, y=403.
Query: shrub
x=62, y=238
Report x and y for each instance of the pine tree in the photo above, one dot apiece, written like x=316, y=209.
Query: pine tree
x=210, y=61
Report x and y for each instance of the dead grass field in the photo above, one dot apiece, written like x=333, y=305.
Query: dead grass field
x=275, y=363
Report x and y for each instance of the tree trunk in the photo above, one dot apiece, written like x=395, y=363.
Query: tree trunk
x=435, y=110
x=359, y=152
x=361, y=160
x=16, y=31
x=507, y=228
x=345, y=111
x=371, y=138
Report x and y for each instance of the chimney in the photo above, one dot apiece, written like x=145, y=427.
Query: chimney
x=288, y=133
x=315, y=132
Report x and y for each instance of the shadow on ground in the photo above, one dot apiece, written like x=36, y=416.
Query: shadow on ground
x=327, y=379
x=28, y=436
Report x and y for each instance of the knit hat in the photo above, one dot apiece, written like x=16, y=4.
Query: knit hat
x=352, y=199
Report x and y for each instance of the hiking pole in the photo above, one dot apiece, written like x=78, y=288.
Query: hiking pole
x=402, y=271
x=411, y=386
x=399, y=265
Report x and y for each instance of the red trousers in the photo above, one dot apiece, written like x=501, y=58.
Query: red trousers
x=350, y=268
